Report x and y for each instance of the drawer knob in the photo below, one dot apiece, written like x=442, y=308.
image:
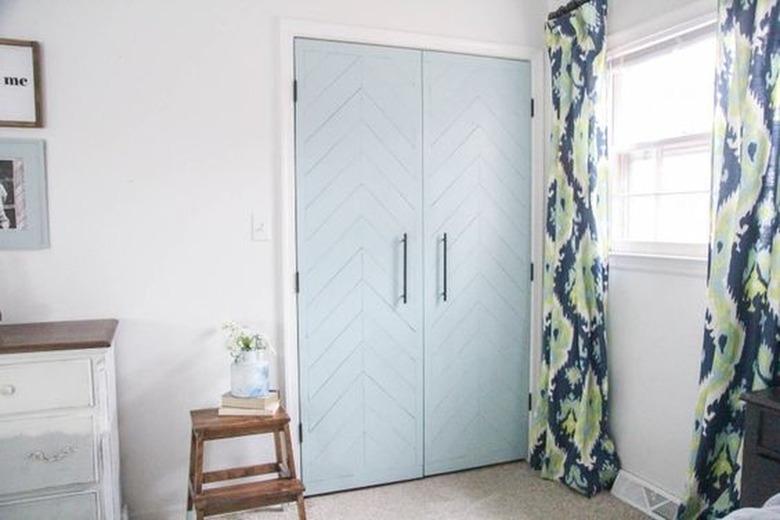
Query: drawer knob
x=41, y=456
x=7, y=390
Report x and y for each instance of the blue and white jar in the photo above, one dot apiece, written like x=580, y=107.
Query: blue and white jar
x=249, y=375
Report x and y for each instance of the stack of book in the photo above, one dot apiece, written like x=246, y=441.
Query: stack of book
x=266, y=405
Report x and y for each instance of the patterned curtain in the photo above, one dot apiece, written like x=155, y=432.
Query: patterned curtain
x=570, y=439
x=741, y=332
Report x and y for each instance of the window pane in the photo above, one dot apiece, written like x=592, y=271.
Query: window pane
x=680, y=219
x=618, y=220
x=662, y=108
x=669, y=94
x=685, y=170
x=683, y=218
x=641, y=172
x=641, y=218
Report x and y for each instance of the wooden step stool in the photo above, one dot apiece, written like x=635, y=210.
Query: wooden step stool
x=207, y=426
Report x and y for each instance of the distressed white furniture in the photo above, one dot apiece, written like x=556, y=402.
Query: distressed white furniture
x=59, y=450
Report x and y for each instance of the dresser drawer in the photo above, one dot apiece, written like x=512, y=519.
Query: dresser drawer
x=83, y=506
x=769, y=435
x=32, y=387
x=41, y=453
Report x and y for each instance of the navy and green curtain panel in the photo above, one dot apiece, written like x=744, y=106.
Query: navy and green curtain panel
x=570, y=438
x=741, y=332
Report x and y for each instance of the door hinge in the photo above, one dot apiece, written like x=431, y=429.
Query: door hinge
x=532, y=271
x=530, y=402
x=295, y=91
x=300, y=432
x=297, y=283
x=533, y=107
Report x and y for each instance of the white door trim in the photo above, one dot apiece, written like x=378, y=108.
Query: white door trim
x=289, y=29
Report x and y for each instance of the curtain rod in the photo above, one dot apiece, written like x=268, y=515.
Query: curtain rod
x=566, y=9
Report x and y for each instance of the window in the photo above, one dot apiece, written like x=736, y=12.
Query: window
x=662, y=108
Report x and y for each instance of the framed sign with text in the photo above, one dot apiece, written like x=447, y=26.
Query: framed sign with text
x=20, y=84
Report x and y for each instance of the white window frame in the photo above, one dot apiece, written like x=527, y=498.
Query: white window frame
x=658, y=42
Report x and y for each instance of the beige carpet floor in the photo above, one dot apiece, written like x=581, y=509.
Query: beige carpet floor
x=509, y=491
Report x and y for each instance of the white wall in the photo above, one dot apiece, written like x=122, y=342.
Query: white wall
x=655, y=312
x=655, y=327
x=162, y=138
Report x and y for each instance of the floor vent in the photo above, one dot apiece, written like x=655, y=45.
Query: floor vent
x=647, y=498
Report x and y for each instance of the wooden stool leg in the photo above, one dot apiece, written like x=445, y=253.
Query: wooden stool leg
x=283, y=472
x=291, y=467
x=191, y=477
x=197, y=481
x=290, y=459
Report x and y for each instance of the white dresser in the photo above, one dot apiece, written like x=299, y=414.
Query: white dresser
x=59, y=449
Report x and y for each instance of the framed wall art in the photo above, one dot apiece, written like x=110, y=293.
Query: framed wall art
x=20, y=84
x=24, y=222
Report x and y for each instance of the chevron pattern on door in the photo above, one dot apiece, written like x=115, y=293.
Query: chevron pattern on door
x=477, y=184
x=359, y=186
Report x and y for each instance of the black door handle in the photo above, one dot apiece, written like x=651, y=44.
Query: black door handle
x=444, y=242
x=405, y=241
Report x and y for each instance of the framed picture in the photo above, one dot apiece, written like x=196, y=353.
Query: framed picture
x=24, y=222
x=20, y=84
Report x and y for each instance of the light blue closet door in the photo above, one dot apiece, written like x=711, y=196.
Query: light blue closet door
x=359, y=195
x=477, y=184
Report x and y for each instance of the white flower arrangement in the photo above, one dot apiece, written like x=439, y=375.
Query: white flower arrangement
x=239, y=340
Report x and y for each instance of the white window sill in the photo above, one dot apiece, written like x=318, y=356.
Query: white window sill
x=662, y=264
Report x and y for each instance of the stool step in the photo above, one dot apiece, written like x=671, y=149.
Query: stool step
x=251, y=495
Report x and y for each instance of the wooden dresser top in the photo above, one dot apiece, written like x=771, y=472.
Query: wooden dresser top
x=56, y=335
x=768, y=398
